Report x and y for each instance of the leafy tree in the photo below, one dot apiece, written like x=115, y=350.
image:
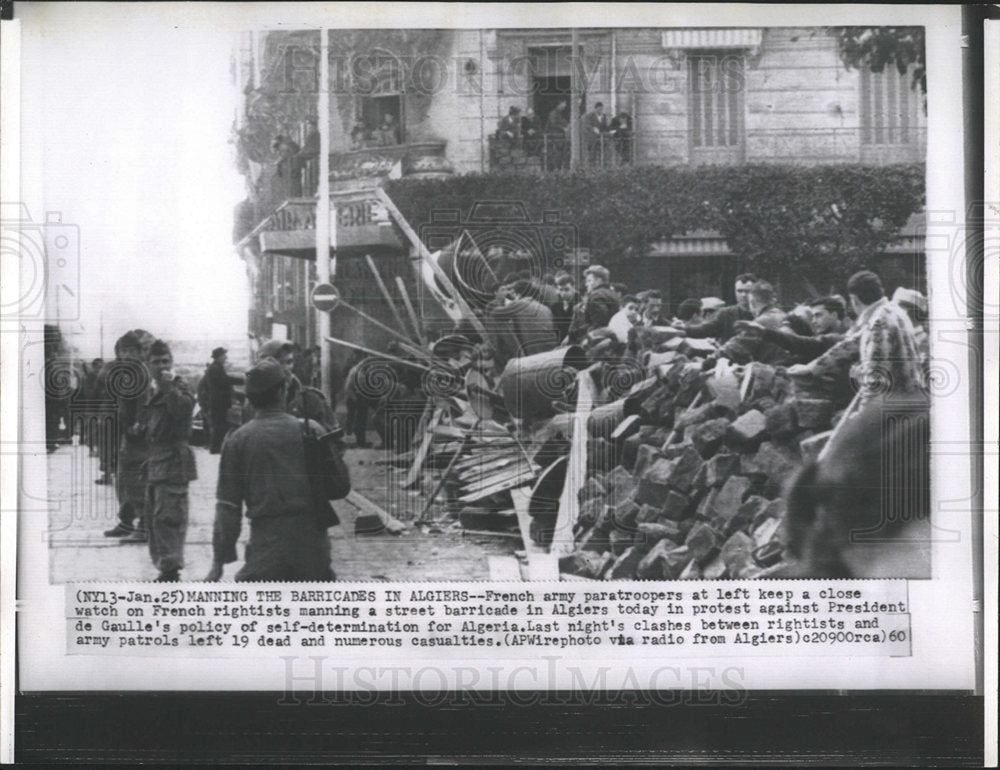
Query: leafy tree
x=876, y=47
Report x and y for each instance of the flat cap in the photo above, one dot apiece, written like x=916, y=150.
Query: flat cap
x=218, y=352
x=264, y=375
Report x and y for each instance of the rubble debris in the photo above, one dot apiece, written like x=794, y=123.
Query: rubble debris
x=696, y=489
x=676, y=476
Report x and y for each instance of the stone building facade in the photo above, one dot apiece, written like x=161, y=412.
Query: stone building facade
x=693, y=96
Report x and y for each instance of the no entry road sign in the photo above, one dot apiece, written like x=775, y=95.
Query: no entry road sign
x=325, y=297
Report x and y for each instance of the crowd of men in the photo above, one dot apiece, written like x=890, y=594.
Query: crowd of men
x=607, y=139
x=830, y=345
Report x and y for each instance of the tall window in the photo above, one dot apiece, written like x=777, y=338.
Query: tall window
x=890, y=108
x=379, y=109
x=716, y=85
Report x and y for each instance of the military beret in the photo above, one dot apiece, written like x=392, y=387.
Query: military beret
x=264, y=375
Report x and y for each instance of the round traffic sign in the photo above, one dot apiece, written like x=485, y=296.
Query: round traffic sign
x=325, y=297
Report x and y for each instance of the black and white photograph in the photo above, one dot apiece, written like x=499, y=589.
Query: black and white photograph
x=656, y=309
x=586, y=344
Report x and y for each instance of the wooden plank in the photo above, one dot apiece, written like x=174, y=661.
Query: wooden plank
x=521, y=498
x=504, y=568
x=514, y=481
x=425, y=444
x=496, y=475
x=626, y=426
x=484, y=469
x=401, y=285
x=444, y=477
x=426, y=256
x=489, y=459
x=576, y=468
x=385, y=292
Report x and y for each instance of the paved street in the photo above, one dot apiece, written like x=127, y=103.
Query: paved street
x=80, y=510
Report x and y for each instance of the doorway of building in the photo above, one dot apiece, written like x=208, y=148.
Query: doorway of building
x=549, y=91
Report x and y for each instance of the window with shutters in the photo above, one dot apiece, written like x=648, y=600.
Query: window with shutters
x=890, y=108
x=716, y=85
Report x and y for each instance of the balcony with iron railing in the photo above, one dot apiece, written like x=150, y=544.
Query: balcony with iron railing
x=685, y=147
x=348, y=169
x=551, y=152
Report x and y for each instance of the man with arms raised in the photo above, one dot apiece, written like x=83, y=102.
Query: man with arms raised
x=721, y=326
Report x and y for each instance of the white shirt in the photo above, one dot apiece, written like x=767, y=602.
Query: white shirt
x=620, y=325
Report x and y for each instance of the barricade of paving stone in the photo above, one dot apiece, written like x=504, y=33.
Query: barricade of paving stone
x=695, y=493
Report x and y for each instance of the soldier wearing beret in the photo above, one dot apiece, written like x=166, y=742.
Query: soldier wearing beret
x=263, y=469
x=300, y=400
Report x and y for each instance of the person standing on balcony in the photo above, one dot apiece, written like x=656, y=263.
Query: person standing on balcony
x=286, y=150
x=622, y=133
x=361, y=136
x=556, y=138
x=509, y=129
x=531, y=133
x=388, y=131
x=595, y=132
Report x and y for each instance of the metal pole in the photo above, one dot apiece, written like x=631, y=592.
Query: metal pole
x=324, y=234
x=574, y=103
x=614, y=77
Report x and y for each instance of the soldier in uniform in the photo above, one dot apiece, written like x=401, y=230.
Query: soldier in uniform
x=300, y=400
x=263, y=467
x=133, y=451
x=170, y=466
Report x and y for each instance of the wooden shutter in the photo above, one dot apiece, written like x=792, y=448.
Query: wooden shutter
x=715, y=107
